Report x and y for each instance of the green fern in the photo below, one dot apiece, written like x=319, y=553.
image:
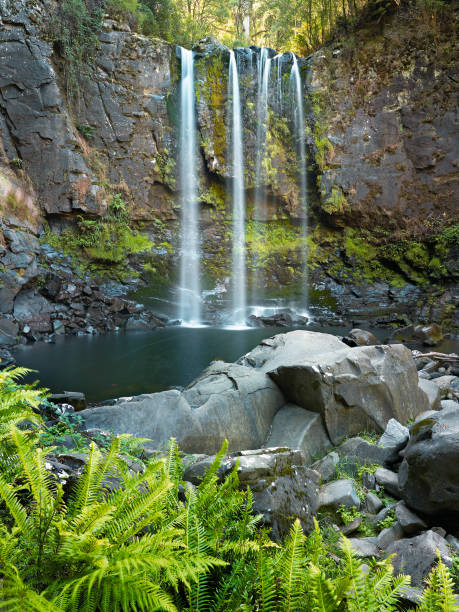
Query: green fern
x=104, y=550
x=439, y=594
x=17, y=402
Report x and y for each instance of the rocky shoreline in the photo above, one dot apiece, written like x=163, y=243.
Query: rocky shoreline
x=365, y=438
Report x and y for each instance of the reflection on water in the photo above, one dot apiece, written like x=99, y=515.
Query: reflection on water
x=114, y=365
x=131, y=363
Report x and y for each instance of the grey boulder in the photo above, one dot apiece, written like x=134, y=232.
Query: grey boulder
x=227, y=401
x=356, y=452
x=417, y=556
x=289, y=349
x=354, y=389
x=429, y=473
x=360, y=337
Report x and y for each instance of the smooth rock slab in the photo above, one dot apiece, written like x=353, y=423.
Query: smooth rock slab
x=417, y=556
x=297, y=428
x=354, y=389
x=227, y=401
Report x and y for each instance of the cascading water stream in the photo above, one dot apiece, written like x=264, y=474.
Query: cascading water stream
x=238, y=194
x=189, y=290
x=298, y=120
x=264, y=69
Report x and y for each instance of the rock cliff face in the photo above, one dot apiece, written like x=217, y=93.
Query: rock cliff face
x=381, y=137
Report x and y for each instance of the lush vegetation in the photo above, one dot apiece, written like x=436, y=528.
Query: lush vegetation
x=119, y=539
x=299, y=25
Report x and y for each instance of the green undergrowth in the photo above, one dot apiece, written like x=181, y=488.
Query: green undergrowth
x=114, y=538
x=102, y=245
x=369, y=257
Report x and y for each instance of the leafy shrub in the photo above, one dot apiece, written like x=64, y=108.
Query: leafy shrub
x=17, y=402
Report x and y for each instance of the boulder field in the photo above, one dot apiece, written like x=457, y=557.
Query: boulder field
x=319, y=428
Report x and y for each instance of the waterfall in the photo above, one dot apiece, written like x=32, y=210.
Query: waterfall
x=238, y=194
x=189, y=291
x=263, y=69
x=298, y=120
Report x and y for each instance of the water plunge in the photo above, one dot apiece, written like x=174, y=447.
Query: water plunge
x=238, y=195
x=298, y=121
x=259, y=213
x=190, y=257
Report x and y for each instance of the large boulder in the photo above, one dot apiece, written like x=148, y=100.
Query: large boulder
x=354, y=389
x=301, y=429
x=227, y=401
x=283, y=488
x=429, y=473
x=417, y=556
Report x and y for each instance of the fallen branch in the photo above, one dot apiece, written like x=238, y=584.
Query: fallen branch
x=438, y=356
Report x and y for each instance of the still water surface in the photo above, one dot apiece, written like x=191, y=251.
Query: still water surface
x=130, y=363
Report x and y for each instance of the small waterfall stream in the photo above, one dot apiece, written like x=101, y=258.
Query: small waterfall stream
x=190, y=257
x=238, y=193
x=298, y=120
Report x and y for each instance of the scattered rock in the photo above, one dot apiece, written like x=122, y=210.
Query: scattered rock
x=444, y=384
x=352, y=527
x=356, y=452
x=432, y=392
x=73, y=398
x=417, y=556
x=453, y=543
x=360, y=337
x=327, y=466
x=338, y=493
x=364, y=547
x=388, y=480
x=389, y=535
x=429, y=335
x=283, y=488
x=393, y=440
x=373, y=503
x=408, y=520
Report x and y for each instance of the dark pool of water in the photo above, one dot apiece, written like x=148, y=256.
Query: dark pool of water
x=120, y=364
x=113, y=365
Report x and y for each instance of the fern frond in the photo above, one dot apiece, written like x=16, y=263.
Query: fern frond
x=324, y=595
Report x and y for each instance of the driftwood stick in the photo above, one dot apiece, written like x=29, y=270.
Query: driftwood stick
x=439, y=356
